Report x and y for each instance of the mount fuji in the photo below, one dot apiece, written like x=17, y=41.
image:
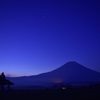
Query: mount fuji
x=69, y=73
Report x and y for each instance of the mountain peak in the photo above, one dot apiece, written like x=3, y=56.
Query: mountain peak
x=72, y=64
x=71, y=67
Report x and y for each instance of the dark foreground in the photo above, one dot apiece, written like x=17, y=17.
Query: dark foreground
x=79, y=93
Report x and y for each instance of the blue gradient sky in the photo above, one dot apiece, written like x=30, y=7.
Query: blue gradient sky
x=37, y=36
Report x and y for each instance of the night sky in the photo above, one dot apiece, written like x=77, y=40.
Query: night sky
x=37, y=36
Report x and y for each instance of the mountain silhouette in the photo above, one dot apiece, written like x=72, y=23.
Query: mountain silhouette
x=71, y=72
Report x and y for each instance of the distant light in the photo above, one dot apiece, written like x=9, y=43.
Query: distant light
x=63, y=88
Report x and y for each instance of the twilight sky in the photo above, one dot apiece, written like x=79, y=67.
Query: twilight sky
x=38, y=36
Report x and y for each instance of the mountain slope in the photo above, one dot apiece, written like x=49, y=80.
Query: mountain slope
x=71, y=72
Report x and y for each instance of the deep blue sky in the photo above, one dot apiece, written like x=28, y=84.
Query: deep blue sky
x=37, y=36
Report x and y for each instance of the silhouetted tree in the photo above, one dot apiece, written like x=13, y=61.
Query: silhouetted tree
x=4, y=82
x=3, y=76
